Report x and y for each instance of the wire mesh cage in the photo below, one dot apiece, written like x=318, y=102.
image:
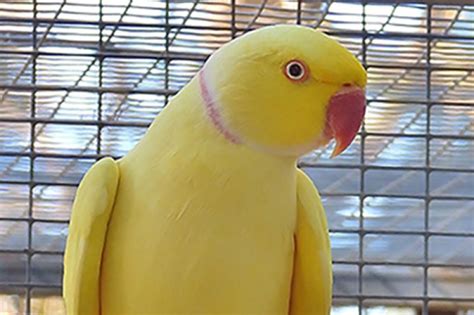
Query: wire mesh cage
x=82, y=79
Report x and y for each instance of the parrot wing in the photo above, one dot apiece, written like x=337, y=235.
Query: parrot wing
x=87, y=231
x=312, y=273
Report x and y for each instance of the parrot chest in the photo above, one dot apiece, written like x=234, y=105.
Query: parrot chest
x=202, y=242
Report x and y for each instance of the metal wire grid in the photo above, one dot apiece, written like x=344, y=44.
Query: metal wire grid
x=83, y=79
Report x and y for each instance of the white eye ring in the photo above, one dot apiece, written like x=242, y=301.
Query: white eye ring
x=296, y=71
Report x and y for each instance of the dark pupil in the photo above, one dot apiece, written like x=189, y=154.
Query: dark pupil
x=295, y=70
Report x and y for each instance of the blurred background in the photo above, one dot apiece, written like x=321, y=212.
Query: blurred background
x=82, y=79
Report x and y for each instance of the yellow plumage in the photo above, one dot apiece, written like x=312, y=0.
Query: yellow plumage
x=194, y=221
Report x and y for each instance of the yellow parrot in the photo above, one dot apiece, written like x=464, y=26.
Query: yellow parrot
x=209, y=214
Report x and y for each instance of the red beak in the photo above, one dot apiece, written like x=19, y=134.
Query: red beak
x=345, y=114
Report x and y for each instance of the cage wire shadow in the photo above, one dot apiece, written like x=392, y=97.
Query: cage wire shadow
x=80, y=80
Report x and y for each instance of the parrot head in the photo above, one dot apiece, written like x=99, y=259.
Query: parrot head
x=285, y=90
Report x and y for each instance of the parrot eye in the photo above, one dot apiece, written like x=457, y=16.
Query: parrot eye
x=296, y=71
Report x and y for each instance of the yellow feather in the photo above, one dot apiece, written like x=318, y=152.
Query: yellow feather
x=204, y=232
x=312, y=276
x=87, y=231
x=198, y=223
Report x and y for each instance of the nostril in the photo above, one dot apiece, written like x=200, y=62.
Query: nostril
x=346, y=85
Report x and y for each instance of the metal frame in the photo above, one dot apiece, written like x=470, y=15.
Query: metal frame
x=171, y=32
